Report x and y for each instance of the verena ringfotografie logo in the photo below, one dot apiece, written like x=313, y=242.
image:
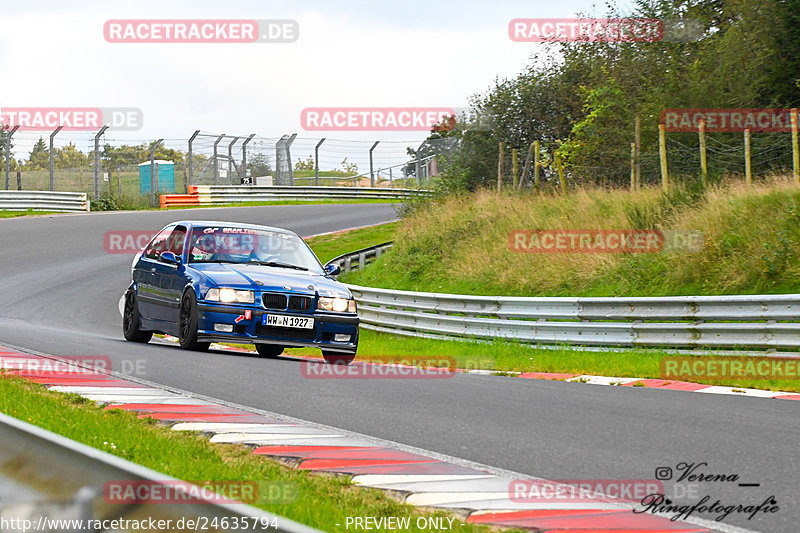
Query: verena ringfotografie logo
x=583, y=490
x=408, y=368
x=604, y=241
x=727, y=120
x=373, y=118
x=200, y=31
x=71, y=118
x=605, y=30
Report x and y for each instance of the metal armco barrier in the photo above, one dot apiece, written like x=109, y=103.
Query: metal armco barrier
x=49, y=478
x=749, y=321
x=223, y=194
x=44, y=201
x=359, y=259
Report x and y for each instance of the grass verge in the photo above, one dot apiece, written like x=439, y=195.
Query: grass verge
x=14, y=214
x=322, y=500
x=516, y=357
x=326, y=247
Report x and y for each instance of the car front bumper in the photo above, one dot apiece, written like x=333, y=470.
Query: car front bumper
x=322, y=335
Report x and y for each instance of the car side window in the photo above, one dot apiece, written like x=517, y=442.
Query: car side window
x=158, y=244
x=176, y=241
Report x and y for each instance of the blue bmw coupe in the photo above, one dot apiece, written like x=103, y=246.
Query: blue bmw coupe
x=209, y=282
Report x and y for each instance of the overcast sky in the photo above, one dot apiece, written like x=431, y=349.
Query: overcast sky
x=356, y=53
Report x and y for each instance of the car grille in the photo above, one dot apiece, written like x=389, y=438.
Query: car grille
x=288, y=333
x=274, y=301
x=300, y=303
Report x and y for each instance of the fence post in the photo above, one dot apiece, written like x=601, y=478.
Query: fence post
x=633, y=166
x=526, y=167
x=514, y=168
x=418, y=171
x=243, y=173
x=52, y=164
x=153, y=173
x=230, y=159
x=662, y=154
x=119, y=185
x=748, y=170
x=795, y=148
x=216, y=161
x=536, y=165
x=560, y=168
x=371, y=173
x=316, y=161
x=391, y=181
x=97, y=161
x=500, y=169
x=190, y=158
x=638, y=152
x=701, y=132
x=19, y=180
x=8, y=135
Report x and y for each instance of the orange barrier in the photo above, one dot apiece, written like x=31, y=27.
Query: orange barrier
x=169, y=200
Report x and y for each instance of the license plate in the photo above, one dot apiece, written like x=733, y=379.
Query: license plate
x=285, y=321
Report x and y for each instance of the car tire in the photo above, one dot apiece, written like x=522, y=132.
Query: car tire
x=338, y=358
x=269, y=350
x=131, y=320
x=187, y=323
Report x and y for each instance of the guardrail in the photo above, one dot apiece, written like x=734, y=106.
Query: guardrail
x=47, y=475
x=222, y=194
x=44, y=201
x=747, y=321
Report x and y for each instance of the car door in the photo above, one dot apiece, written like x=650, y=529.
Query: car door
x=170, y=279
x=150, y=296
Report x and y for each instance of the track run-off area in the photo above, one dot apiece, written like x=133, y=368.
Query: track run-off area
x=59, y=294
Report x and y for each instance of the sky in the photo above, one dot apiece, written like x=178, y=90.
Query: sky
x=348, y=54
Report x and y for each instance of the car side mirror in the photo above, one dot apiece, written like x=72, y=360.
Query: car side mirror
x=169, y=257
x=332, y=270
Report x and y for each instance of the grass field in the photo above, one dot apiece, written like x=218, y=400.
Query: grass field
x=749, y=243
x=322, y=500
x=13, y=214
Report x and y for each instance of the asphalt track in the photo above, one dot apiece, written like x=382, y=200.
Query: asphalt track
x=59, y=292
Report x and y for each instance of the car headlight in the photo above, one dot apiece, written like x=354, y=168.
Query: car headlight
x=339, y=305
x=230, y=296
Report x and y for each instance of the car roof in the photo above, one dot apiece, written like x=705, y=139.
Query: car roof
x=209, y=223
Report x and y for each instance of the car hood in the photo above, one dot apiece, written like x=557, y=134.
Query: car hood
x=267, y=278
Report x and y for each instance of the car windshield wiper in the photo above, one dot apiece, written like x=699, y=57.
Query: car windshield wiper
x=277, y=264
x=218, y=261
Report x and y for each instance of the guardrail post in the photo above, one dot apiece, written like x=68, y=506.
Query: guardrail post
x=153, y=172
x=97, y=161
x=52, y=165
x=243, y=173
x=230, y=158
x=371, y=173
x=190, y=158
x=216, y=165
x=8, y=135
x=316, y=161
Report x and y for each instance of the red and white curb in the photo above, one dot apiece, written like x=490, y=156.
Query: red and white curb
x=476, y=493
x=664, y=384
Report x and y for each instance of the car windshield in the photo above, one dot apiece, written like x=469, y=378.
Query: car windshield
x=231, y=244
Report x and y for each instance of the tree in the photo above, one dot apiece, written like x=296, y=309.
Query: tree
x=69, y=157
x=39, y=157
